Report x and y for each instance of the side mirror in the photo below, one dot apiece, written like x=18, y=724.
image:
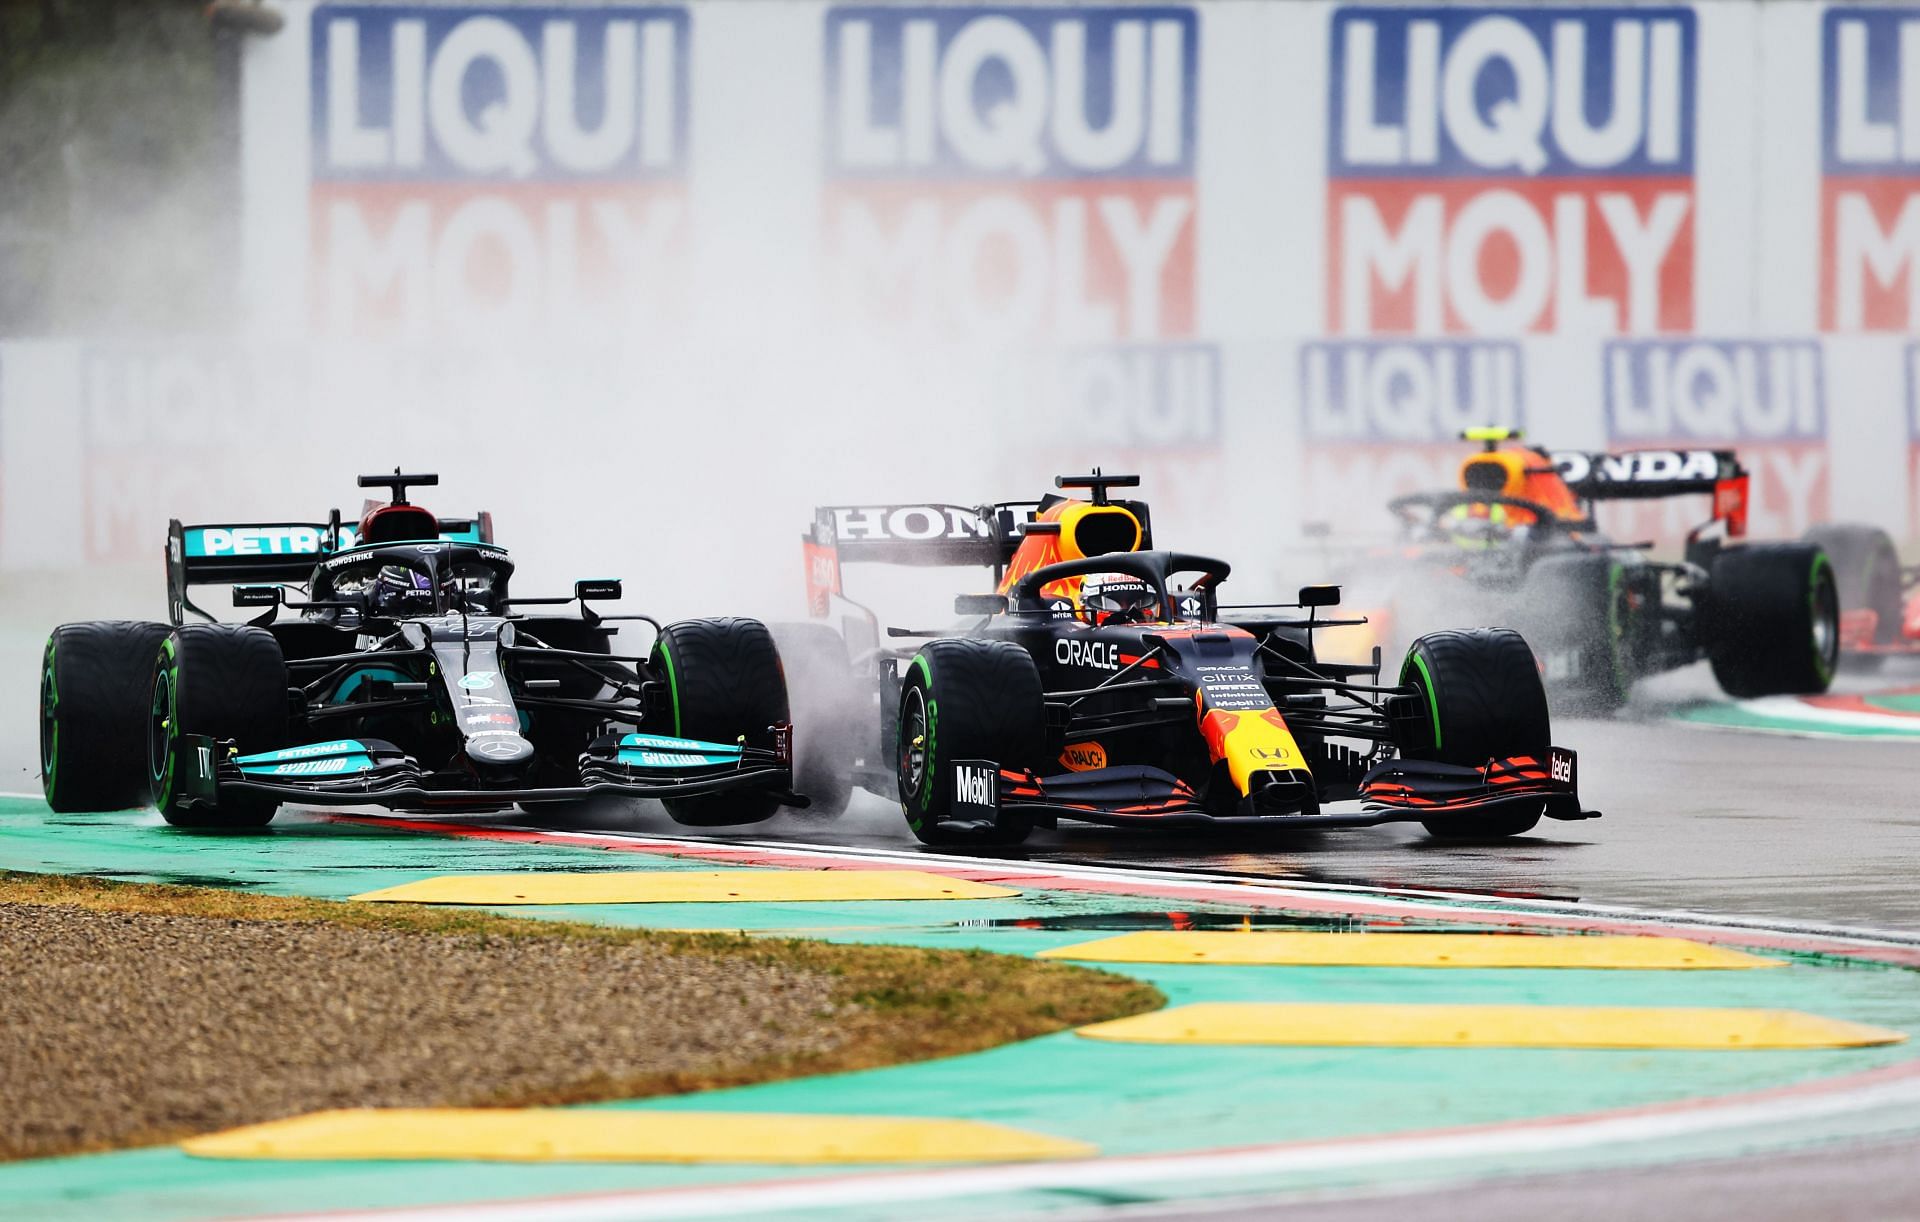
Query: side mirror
x=980, y=604
x=601, y=590
x=1319, y=596
x=257, y=596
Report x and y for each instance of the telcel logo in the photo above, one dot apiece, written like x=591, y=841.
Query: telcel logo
x=1562, y=766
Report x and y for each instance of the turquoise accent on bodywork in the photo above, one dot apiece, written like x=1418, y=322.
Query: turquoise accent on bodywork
x=661, y=751
x=315, y=759
x=326, y=765
x=340, y=746
x=351, y=684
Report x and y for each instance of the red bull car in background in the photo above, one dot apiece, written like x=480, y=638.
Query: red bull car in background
x=408, y=678
x=1104, y=681
x=1879, y=597
x=1516, y=543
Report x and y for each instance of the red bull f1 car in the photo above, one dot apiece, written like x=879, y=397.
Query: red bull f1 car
x=1516, y=543
x=1104, y=681
x=1879, y=596
x=408, y=677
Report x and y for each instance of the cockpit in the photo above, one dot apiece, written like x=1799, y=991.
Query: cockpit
x=400, y=582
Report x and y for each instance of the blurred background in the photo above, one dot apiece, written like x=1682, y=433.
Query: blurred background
x=651, y=281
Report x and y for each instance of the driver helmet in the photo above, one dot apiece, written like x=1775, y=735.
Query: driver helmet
x=1118, y=598
x=400, y=589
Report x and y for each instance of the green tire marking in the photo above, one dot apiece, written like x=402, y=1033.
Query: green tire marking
x=50, y=724
x=673, y=684
x=1615, y=632
x=1433, y=702
x=163, y=787
x=1820, y=661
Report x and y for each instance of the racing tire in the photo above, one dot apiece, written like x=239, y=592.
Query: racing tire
x=1771, y=619
x=724, y=684
x=831, y=717
x=224, y=681
x=1484, y=700
x=1866, y=568
x=94, y=680
x=1579, y=616
x=965, y=700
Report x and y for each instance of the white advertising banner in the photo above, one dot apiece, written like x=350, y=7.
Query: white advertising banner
x=1276, y=256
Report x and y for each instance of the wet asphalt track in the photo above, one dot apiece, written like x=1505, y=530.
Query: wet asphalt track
x=1727, y=822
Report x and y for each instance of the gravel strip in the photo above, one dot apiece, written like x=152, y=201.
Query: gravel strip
x=129, y=1027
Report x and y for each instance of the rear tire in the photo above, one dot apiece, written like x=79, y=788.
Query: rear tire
x=1771, y=619
x=1484, y=701
x=94, y=682
x=832, y=718
x=1866, y=569
x=224, y=681
x=725, y=684
x=963, y=700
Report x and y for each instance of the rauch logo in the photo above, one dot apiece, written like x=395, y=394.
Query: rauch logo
x=1765, y=399
x=515, y=167
x=1870, y=155
x=1014, y=173
x=1500, y=171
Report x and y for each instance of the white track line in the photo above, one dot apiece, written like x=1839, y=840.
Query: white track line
x=1527, y=1138
x=1413, y=899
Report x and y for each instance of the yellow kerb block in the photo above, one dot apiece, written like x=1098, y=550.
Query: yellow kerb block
x=563, y=1135
x=686, y=887
x=1290, y=949
x=1457, y=1026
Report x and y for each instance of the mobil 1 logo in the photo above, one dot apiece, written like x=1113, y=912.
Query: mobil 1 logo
x=976, y=790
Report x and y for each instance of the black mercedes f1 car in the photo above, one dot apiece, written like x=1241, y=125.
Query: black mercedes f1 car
x=1104, y=681
x=1516, y=543
x=409, y=678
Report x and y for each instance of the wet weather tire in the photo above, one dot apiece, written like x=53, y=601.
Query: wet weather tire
x=1866, y=569
x=724, y=683
x=94, y=683
x=832, y=717
x=1771, y=619
x=965, y=700
x=223, y=681
x=1483, y=699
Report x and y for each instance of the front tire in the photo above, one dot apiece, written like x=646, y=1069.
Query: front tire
x=1772, y=619
x=223, y=681
x=964, y=700
x=94, y=683
x=1483, y=699
x=724, y=684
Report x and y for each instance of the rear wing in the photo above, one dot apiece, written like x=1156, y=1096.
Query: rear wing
x=241, y=553
x=929, y=535
x=1647, y=474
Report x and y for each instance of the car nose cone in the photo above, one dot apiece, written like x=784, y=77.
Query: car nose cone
x=499, y=750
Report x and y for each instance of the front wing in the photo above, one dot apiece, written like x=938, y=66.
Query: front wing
x=356, y=772
x=1397, y=791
